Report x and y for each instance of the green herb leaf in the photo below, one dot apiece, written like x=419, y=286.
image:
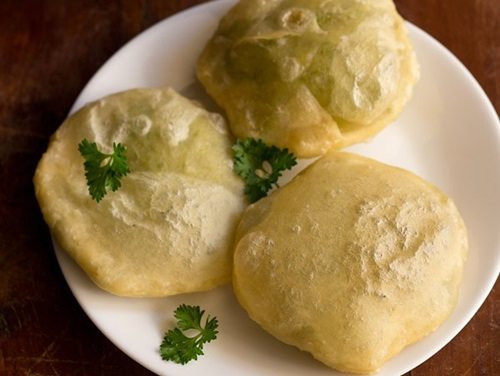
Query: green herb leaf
x=260, y=166
x=103, y=171
x=180, y=348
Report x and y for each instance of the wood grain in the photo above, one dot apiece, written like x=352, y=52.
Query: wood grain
x=48, y=51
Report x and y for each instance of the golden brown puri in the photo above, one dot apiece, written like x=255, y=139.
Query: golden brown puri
x=309, y=75
x=170, y=228
x=352, y=261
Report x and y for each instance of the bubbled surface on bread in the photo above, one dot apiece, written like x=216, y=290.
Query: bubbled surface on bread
x=352, y=261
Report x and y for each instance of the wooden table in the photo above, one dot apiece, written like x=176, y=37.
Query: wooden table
x=48, y=51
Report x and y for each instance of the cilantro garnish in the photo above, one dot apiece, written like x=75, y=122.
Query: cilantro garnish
x=260, y=166
x=103, y=171
x=180, y=348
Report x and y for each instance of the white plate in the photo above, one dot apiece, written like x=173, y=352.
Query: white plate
x=449, y=134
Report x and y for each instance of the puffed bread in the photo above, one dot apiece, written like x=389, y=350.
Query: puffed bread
x=169, y=228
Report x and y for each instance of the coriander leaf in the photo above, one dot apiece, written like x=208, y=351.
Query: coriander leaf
x=103, y=171
x=180, y=348
x=260, y=166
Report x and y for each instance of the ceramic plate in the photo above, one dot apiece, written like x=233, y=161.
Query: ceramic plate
x=448, y=134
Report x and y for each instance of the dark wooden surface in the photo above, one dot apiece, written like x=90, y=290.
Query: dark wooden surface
x=48, y=51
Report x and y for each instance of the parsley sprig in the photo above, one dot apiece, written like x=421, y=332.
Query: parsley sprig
x=260, y=166
x=180, y=348
x=103, y=171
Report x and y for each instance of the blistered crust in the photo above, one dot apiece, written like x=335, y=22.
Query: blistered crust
x=169, y=229
x=309, y=75
x=368, y=262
